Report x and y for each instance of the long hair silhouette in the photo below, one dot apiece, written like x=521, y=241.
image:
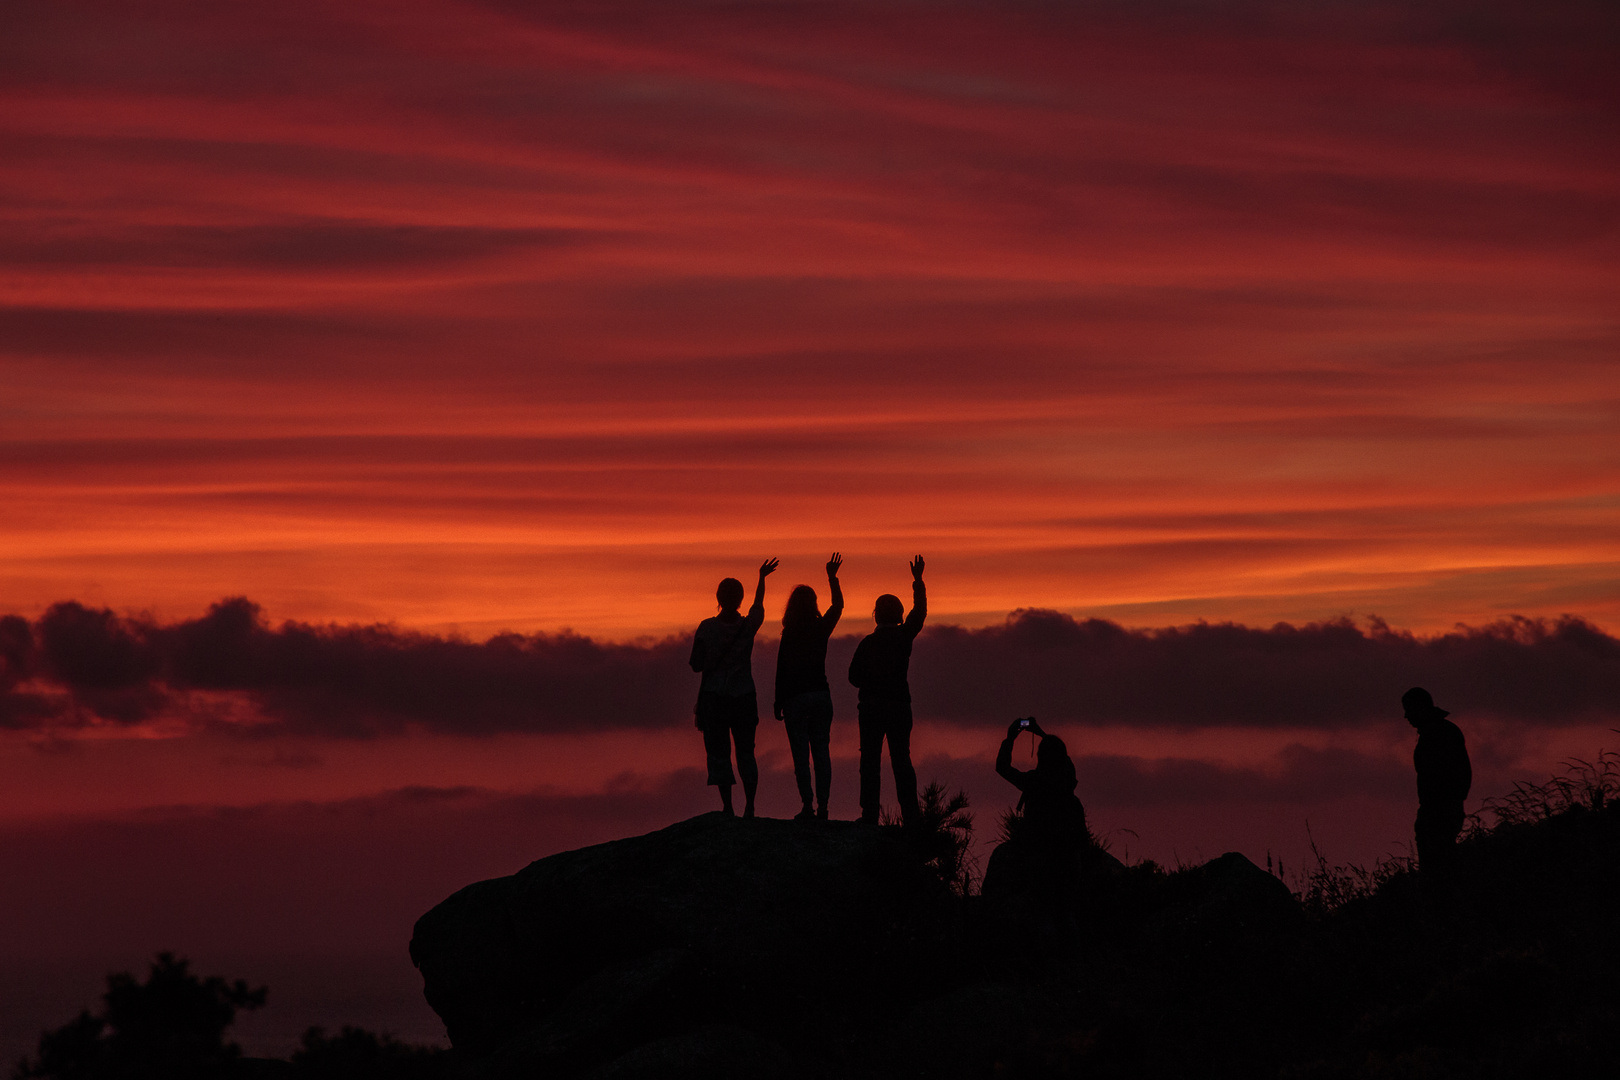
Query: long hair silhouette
x=801, y=607
x=1053, y=764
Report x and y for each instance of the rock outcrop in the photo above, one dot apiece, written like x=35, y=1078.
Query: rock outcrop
x=720, y=946
x=673, y=942
x=1227, y=897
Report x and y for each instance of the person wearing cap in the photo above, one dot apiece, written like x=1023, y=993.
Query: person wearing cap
x=1444, y=776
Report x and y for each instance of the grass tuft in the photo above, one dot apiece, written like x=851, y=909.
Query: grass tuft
x=1588, y=785
x=944, y=832
x=1583, y=784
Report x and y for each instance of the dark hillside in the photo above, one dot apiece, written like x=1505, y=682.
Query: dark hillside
x=1508, y=970
x=720, y=947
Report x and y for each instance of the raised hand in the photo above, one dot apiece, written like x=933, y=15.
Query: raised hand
x=917, y=568
x=833, y=564
x=767, y=568
x=1019, y=725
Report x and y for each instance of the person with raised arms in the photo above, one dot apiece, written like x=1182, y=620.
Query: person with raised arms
x=879, y=670
x=727, y=709
x=803, y=698
x=1052, y=816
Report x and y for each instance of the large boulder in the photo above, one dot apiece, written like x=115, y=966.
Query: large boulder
x=1066, y=906
x=714, y=924
x=1026, y=872
x=1226, y=897
x=1047, y=906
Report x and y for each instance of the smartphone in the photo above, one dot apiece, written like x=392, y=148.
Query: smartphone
x=1024, y=723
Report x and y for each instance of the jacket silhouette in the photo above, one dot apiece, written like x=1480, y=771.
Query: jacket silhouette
x=882, y=661
x=1444, y=776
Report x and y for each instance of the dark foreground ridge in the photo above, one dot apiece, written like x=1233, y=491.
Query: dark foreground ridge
x=720, y=947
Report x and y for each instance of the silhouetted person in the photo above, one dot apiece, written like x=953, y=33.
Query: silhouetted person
x=727, y=708
x=1039, y=880
x=1443, y=779
x=1052, y=813
x=803, y=698
x=879, y=669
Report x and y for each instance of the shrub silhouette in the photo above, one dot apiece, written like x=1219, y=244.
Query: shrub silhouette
x=943, y=834
x=356, y=1054
x=171, y=1027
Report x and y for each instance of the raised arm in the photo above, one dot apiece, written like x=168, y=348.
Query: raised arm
x=1004, y=765
x=756, y=614
x=919, y=599
x=835, y=607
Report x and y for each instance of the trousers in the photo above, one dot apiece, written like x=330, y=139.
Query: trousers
x=1437, y=828
x=808, y=720
x=891, y=721
x=723, y=721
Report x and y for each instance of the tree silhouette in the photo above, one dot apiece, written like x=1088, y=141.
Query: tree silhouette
x=171, y=1027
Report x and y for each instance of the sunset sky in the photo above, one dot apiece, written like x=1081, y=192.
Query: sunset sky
x=472, y=343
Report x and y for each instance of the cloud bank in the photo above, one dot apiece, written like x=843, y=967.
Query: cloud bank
x=1328, y=674
x=76, y=667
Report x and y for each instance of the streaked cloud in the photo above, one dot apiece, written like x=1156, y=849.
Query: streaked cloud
x=1225, y=311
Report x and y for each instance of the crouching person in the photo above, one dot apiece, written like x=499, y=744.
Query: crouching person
x=1052, y=816
x=1039, y=873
